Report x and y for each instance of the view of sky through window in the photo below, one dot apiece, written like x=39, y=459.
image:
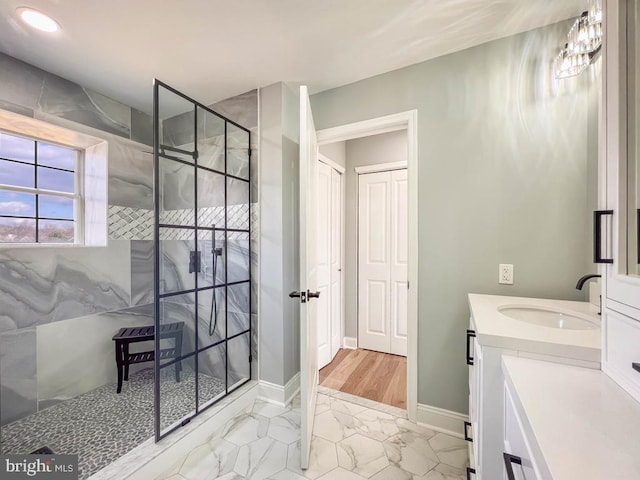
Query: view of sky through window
x=33, y=216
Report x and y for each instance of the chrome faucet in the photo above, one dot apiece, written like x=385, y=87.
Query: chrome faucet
x=584, y=280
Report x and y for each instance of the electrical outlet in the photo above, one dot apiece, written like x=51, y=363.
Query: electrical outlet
x=505, y=274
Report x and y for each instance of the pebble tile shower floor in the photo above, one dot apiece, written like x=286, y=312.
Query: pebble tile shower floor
x=102, y=425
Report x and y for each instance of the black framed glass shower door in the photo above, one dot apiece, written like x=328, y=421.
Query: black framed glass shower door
x=202, y=257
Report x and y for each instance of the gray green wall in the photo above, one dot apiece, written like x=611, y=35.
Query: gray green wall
x=502, y=179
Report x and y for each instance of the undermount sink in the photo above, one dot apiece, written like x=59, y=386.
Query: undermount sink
x=548, y=317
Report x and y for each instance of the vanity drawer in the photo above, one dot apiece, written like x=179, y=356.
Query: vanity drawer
x=622, y=350
x=517, y=453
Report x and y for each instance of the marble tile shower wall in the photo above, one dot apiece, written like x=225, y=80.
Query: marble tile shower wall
x=60, y=306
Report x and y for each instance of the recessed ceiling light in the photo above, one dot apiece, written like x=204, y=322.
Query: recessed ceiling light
x=38, y=20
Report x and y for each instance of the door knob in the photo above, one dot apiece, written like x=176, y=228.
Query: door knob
x=301, y=295
x=311, y=294
x=294, y=294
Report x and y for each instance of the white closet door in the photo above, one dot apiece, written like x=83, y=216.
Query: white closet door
x=336, y=269
x=383, y=261
x=374, y=262
x=324, y=265
x=399, y=261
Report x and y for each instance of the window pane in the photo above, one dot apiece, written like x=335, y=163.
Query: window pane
x=55, y=207
x=55, y=231
x=55, y=156
x=16, y=230
x=55, y=180
x=18, y=174
x=17, y=204
x=17, y=148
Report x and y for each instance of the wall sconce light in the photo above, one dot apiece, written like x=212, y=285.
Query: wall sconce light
x=583, y=42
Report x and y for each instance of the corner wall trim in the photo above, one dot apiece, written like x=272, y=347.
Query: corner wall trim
x=441, y=420
x=277, y=394
x=350, y=342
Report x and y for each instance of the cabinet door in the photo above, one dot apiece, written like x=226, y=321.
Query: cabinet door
x=515, y=444
x=619, y=232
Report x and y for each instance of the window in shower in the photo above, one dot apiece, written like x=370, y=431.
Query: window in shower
x=202, y=257
x=40, y=192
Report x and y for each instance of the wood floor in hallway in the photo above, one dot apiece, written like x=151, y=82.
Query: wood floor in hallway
x=374, y=375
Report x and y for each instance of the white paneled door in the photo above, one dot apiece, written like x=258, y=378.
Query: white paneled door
x=382, y=261
x=329, y=257
x=308, y=293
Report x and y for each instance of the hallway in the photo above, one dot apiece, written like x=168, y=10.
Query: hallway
x=377, y=376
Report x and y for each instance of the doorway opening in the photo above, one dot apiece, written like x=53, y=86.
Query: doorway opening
x=374, y=320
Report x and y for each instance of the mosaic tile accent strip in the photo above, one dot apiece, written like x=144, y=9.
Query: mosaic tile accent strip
x=102, y=425
x=130, y=223
x=127, y=223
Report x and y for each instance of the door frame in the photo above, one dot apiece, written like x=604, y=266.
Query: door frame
x=390, y=123
x=342, y=171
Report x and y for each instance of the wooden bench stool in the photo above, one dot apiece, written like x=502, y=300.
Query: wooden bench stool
x=128, y=335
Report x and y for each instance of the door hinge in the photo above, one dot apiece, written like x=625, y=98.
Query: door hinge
x=250, y=359
x=407, y=284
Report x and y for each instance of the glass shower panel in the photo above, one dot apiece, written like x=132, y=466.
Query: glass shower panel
x=175, y=247
x=237, y=204
x=202, y=250
x=212, y=365
x=211, y=145
x=211, y=317
x=211, y=202
x=238, y=257
x=239, y=369
x=238, y=307
x=176, y=193
x=237, y=152
x=177, y=388
x=176, y=129
x=177, y=327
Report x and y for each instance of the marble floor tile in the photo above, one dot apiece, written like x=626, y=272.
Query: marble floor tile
x=338, y=405
x=323, y=458
x=445, y=472
x=285, y=428
x=362, y=455
x=210, y=460
x=246, y=429
x=260, y=459
x=268, y=410
x=350, y=442
x=341, y=474
x=335, y=426
x=323, y=403
x=377, y=425
x=450, y=450
x=410, y=452
x=286, y=475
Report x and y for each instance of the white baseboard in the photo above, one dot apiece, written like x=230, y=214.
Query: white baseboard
x=350, y=343
x=441, y=420
x=277, y=394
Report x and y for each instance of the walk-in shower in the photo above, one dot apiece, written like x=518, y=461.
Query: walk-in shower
x=202, y=256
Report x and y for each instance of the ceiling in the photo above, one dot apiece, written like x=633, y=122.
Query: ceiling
x=214, y=49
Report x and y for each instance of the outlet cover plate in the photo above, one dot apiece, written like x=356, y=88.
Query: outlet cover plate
x=505, y=274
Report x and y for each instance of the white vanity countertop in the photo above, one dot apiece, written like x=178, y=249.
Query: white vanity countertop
x=493, y=329
x=584, y=424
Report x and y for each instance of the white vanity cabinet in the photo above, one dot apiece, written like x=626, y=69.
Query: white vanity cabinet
x=492, y=336
x=618, y=238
